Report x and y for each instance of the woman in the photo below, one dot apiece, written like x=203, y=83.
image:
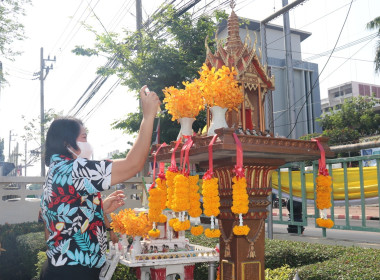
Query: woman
x=72, y=208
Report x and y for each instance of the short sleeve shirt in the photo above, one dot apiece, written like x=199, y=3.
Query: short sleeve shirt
x=72, y=209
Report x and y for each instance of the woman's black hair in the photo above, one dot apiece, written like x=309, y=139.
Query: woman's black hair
x=62, y=132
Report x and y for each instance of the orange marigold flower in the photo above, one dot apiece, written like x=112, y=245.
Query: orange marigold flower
x=241, y=230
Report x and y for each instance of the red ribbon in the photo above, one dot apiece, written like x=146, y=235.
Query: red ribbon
x=186, y=140
x=239, y=170
x=210, y=172
x=322, y=161
x=173, y=165
x=154, y=166
x=185, y=155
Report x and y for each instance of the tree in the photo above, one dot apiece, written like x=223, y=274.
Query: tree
x=32, y=131
x=375, y=24
x=355, y=119
x=11, y=30
x=170, y=52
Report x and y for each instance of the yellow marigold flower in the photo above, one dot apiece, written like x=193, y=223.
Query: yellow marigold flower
x=220, y=87
x=183, y=102
x=241, y=230
x=170, y=187
x=196, y=230
x=211, y=200
x=181, y=200
x=162, y=218
x=239, y=196
x=172, y=221
x=154, y=233
x=180, y=226
x=126, y=222
x=323, y=190
x=326, y=223
x=212, y=233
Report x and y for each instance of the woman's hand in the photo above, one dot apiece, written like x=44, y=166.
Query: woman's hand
x=114, y=238
x=113, y=201
x=149, y=102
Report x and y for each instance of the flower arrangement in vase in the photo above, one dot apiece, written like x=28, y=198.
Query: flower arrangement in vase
x=221, y=92
x=184, y=105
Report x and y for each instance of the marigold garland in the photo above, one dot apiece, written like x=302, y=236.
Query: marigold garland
x=323, y=200
x=155, y=208
x=194, y=197
x=154, y=233
x=220, y=87
x=181, y=200
x=212, y=233
x=239, y=196
x=170, y=174
x=196, y=230
x=211, y=200
x=240, y=202
x=127, y=222
x=161, y=184
x=323, y=191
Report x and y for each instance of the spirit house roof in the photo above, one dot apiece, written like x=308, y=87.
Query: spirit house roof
x=239, y=55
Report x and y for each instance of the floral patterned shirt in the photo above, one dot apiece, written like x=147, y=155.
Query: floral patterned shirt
x=72, y=210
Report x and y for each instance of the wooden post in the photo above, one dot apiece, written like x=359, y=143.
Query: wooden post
x=242, y=257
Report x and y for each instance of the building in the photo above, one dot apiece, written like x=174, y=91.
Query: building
x=306, y=86
x=337, y=94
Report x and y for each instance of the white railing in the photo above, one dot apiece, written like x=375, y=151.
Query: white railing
x=19, y=197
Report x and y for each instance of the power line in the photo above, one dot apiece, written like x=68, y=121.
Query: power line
x=324, y=67
x=99, y=81
x=67, y=25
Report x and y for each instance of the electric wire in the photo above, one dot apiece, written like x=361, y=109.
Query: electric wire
x=324, y=67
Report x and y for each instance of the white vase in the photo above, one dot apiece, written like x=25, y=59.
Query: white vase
x=218, y=119
x=186, y=127
x=136, y=245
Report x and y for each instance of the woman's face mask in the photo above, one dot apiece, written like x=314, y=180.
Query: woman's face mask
x=85, y=150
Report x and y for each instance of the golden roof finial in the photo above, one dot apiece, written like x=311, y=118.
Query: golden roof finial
x=232, y=4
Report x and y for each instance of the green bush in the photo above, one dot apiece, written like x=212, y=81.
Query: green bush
x=281, y=273
x=12, y=257
x=28, y=246
x=354, y=263
x=279, y=253
x=41, y=258
x=123, y=272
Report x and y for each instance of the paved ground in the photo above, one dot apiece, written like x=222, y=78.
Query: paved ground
x=335, y=236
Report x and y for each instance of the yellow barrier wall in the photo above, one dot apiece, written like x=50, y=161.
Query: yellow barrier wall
x=353, y=177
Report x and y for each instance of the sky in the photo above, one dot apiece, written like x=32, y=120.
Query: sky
x=57, y=27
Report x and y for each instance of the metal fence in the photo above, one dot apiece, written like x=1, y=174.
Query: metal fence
x=356, y=185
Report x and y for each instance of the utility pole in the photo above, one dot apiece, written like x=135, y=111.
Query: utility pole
x=10, y=141
x=289, y=70
x=26, y=154
x=1, y=76
x=138, y=15
x=290, y=84
x=43, y=74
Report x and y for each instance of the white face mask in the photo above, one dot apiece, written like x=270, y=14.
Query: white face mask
x=85, y=150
